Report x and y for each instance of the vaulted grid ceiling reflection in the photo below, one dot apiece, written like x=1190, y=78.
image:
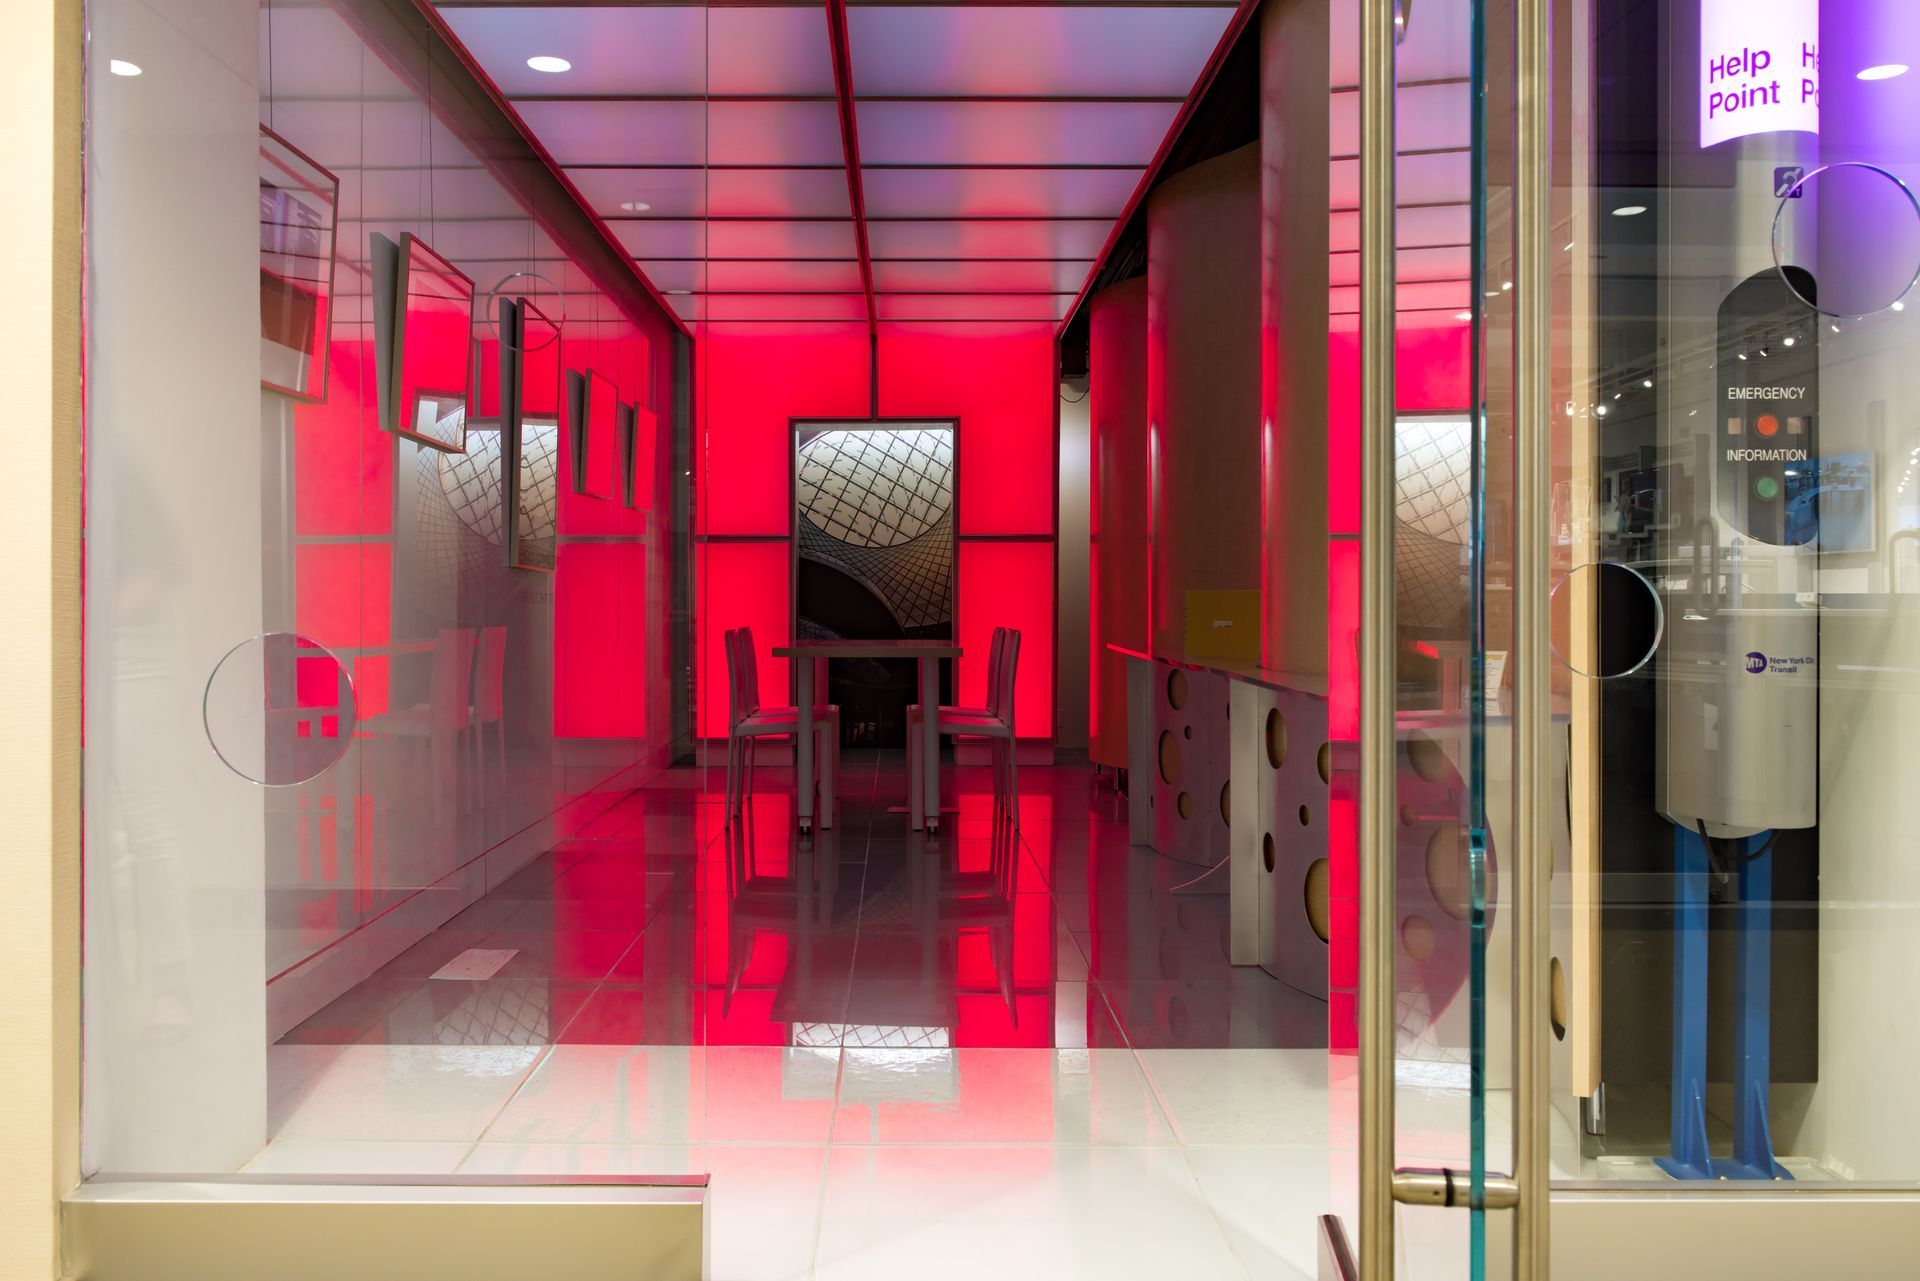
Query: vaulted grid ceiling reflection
x=993, y=146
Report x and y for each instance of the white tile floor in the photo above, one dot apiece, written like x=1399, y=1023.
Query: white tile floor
x=836, y=1164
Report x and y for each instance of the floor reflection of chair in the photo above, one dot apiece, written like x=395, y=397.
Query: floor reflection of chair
x=797, y=904
x=916, y=925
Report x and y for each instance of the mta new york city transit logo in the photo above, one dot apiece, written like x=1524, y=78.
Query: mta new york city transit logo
x=1756, y=662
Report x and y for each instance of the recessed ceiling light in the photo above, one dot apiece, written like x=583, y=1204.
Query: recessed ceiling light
x=1464, y=315
x=1899, y=306
x=1885, y=71
x=548, y=63
x=1646, y=382
x=121, y=67
x=1628, y=211
x=1569, y=246
x=635, y=206
x=1600, y=411
x=1505, y=285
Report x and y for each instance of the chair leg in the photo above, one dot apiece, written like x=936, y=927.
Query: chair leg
x=733, y=775
x=829, y=755
x=1013, y=783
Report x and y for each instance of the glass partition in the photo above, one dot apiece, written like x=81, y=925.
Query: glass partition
x=1734, y=520
x=334, y=704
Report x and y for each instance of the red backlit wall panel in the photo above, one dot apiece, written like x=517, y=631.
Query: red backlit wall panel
x=751, y=385
x=599, y=640
x=1002, y=389
x=741, y=583
x=1009, y=584
x=1000, y=385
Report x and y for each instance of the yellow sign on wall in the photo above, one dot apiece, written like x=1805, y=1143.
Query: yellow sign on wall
x=1224, y=625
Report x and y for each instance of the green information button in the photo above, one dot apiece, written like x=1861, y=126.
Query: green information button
x=1767, y=487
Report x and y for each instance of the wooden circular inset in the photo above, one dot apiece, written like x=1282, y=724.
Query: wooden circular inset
x=1184, y=803
x=1306, y=816
x=1226, y=804
x=1557, y=998
x=1409, y=816
x=1416, y=936
x=1314, y=891
x=1266, y=850
x=1176, y=689
x=1428, y=758
x=1324, y=760
x=1169, y=758
x=1276, y=738
x=1447, y=875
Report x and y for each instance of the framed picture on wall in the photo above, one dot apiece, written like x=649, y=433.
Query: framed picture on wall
x=428, y=344
x=299, y=201
x=530, y=459
x=595, y=419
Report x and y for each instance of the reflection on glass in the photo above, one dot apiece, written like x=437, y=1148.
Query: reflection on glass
x=433, y=329
x=533, y=469
x=1855, y=229
x=595, y=437
x=279, y=709
x=297, y=204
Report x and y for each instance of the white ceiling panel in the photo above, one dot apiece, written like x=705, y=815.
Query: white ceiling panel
x=1043, y=50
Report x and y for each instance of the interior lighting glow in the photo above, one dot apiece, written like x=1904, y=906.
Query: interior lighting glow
x=1646, y=382
x=121, y=67
x=1629, y=211
x=548, y=63
x=635, y=206
x=1463, y=315
x=1885, y=71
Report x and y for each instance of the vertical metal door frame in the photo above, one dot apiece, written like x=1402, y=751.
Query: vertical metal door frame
x=1526, y=1192
x=1377, y=625
x=1532, y=858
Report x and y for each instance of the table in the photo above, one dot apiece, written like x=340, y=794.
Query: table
x=928, y=652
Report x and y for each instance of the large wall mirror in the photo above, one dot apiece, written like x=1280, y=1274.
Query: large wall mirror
x=874, y=556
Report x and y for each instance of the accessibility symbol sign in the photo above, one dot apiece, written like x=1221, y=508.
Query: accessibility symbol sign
x=1787, y=180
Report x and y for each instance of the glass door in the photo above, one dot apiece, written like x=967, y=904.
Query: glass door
x=1457, y=699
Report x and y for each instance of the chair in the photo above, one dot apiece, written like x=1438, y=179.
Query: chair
x=994, y=721
x=748, y=721
x=443, y=720
x=490, y=701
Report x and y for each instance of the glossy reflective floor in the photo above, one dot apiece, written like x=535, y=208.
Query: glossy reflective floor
x=895, y=1056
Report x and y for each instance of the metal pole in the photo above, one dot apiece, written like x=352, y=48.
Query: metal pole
x=1532, y=858
x=1377, y=829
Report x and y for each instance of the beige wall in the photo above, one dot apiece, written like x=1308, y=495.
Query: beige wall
x=39, y=630
x=1203, y=385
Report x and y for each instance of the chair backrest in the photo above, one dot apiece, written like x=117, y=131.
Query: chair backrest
x=734, y=712
x=490, y=677
x=749, y=672
x=995, y=656
x=452, y=677
x=1009, y=669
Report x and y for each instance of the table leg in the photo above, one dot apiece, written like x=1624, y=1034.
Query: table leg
x=930, y=740
x=803, y=747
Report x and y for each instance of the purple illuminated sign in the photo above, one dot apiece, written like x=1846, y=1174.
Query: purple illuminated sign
x=1759, y=68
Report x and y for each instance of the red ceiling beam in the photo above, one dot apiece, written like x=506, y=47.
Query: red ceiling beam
x=850, y=143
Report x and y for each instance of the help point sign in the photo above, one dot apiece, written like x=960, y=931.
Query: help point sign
x=1759, y=68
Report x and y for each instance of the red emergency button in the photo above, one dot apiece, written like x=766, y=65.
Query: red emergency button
x=1768, y=425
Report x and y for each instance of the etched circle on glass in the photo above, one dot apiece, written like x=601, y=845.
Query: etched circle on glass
x=535, y=288
x=279, y=709
x=1854, y=230
x=1606, y=619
